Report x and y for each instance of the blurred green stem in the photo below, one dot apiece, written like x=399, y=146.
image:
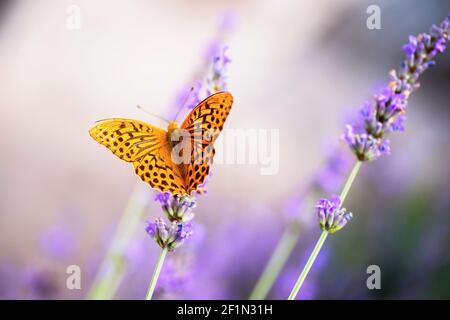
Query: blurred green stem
x=276, y=262
x=111, y=271
x=323, y=236
x=155, y=276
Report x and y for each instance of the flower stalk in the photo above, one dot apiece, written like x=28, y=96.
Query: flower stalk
x=309, y=263
x=350, y=180
x=156, y=272
x=324, y=180
x=326, y=230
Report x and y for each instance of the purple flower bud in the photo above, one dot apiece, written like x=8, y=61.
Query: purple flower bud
x=331, y=217
x=384, y=148
x=151, y=229
x=365, y=146
x=163, y=198
x=411, y=47
x=175, y=207
x=169, y=236
x=398, y=124
x=59, y=241
x=227, y=21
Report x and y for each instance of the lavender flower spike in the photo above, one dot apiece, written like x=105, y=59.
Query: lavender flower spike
x=385, y=113
x=332, y=218
x=169, y=236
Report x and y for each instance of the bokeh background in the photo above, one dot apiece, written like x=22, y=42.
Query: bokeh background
x=302, y=68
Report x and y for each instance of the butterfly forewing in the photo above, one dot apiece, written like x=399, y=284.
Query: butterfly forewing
x=128, y=139
x=146, y=147
x=209, y=115
x=204, y=124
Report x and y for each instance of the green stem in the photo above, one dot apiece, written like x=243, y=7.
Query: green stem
x=156, y=272
x=276, y=262
x=349, y=181
x=323, y=236
x=308, y=265
x=111, y=271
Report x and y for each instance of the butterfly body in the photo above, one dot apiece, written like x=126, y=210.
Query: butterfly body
x=151, y=149
x=172, y=133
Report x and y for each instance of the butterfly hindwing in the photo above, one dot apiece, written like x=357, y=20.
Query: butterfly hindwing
x=158, y=170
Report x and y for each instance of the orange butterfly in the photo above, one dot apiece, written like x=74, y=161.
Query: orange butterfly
x=150, y=148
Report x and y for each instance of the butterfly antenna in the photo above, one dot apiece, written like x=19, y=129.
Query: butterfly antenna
x=152, y=114
x=184, y=103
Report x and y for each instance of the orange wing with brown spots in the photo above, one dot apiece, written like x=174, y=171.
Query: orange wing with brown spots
x=204, y=123
x=146, y=147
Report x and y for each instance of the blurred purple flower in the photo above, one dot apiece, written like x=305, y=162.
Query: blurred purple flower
x=40, y=283
x=292, y=208
x=227, y=22
x=59, y=241
x=310, y=288
x=329, y=179
x=8, y=281
x=175, y=276
x=213, y=57
x=218, y=80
